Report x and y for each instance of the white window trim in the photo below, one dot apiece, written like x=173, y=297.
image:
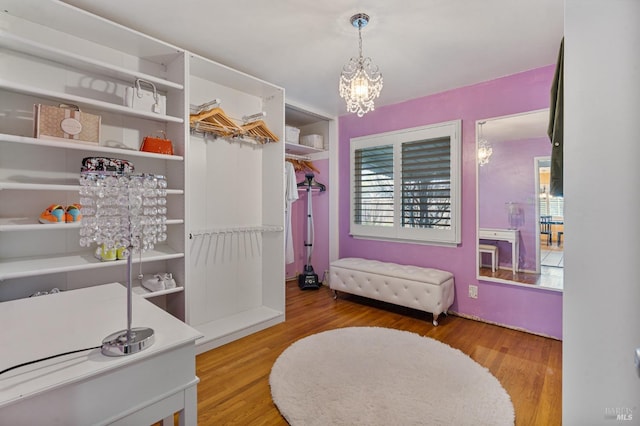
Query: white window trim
x=452, y=129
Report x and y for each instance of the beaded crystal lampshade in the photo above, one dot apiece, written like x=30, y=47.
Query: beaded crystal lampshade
x=127, y=212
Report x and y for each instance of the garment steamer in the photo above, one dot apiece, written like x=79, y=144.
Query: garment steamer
x=308, y=280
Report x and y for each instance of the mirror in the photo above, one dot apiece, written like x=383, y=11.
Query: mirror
x=520, y=227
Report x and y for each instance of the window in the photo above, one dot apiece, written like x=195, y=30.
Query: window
x=406, y=184
x=551, y=206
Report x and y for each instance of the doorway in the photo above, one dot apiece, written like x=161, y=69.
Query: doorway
x=550, y=217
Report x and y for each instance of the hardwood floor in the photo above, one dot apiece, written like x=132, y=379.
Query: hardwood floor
x=551, y=274
x=234, y=386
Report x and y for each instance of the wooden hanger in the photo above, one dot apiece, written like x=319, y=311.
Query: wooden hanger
x=215, y=120
x=302, y=165
x=260, y=130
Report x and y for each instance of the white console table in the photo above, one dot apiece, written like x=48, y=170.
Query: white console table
x=87, y=387
x=510, y=235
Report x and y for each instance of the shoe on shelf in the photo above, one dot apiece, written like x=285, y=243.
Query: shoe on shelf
x=169, y=282
x=55, y=213
x=72, y=213
x=104, y=254
x=122, y=253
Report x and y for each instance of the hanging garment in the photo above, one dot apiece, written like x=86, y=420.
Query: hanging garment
x=556, y=123
x=291, y=195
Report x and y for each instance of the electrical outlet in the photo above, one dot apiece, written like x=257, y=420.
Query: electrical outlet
x=473, y=291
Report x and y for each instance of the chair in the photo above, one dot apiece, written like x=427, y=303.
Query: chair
x=560, y=234
x=545, y=228
x=493, y=251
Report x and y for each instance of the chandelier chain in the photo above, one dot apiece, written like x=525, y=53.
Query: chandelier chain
x=360, y=38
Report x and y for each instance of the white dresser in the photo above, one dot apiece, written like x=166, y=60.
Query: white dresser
x=510, y=235
x=88, y=387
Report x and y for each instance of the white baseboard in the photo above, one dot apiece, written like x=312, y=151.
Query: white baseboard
x=474, y=318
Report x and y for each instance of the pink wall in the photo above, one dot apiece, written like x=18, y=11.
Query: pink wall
x=320, y=202
x=536, y=310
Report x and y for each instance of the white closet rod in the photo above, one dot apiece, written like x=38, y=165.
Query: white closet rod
x=197, y=109
x=249, y=140
x=236, y=230
x=253, y=117
x=297, y=157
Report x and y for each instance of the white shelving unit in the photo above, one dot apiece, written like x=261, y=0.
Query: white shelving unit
x=230, y=283
x=309, y=123
x=236, y=279
x=67, y=57
x=83, y=60
x=86, y=147
x=82, y=101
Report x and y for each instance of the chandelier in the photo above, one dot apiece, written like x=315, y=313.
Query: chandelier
x=484, y=147
x=360, y=80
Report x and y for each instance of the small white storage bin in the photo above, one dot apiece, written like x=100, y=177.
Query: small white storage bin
x=314, y=141
x=292, y=134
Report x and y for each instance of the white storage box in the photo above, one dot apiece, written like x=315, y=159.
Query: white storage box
x=292, y=134
x=314, y=141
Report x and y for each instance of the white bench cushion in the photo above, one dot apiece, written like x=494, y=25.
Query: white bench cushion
x=426, y=289
x=407, y=272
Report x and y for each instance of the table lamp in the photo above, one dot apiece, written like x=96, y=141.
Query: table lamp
x=125, y=212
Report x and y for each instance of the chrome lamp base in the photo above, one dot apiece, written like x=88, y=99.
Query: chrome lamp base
x=127, y=342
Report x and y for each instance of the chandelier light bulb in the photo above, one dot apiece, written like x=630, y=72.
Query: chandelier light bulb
x=360, y=87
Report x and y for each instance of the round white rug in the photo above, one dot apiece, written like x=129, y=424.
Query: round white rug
x=381, y=376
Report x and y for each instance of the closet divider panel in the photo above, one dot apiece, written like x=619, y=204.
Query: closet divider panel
x=273, y=183
x=196, y=248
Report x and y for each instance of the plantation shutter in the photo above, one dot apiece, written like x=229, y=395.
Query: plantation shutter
x=373, y=186
x=551, y=206
x=426, y=184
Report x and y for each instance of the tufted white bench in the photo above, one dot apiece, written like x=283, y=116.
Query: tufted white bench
x=425, y=289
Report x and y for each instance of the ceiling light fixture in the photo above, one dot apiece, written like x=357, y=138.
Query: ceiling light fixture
x=360, y=80
x=484, y=147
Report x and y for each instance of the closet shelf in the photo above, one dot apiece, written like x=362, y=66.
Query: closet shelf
x=31, y=224
x=146, y=294
x=58, y=187
x=234, y=326
x=91, y=148
x=294, y=148
x=65, y=57
x=85, y=102
x=51, y=264
x=38, y=186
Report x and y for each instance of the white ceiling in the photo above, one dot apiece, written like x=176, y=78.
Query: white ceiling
x=517, y=127
x=421, y=46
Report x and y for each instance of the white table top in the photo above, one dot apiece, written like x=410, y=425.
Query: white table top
x=42, y=326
